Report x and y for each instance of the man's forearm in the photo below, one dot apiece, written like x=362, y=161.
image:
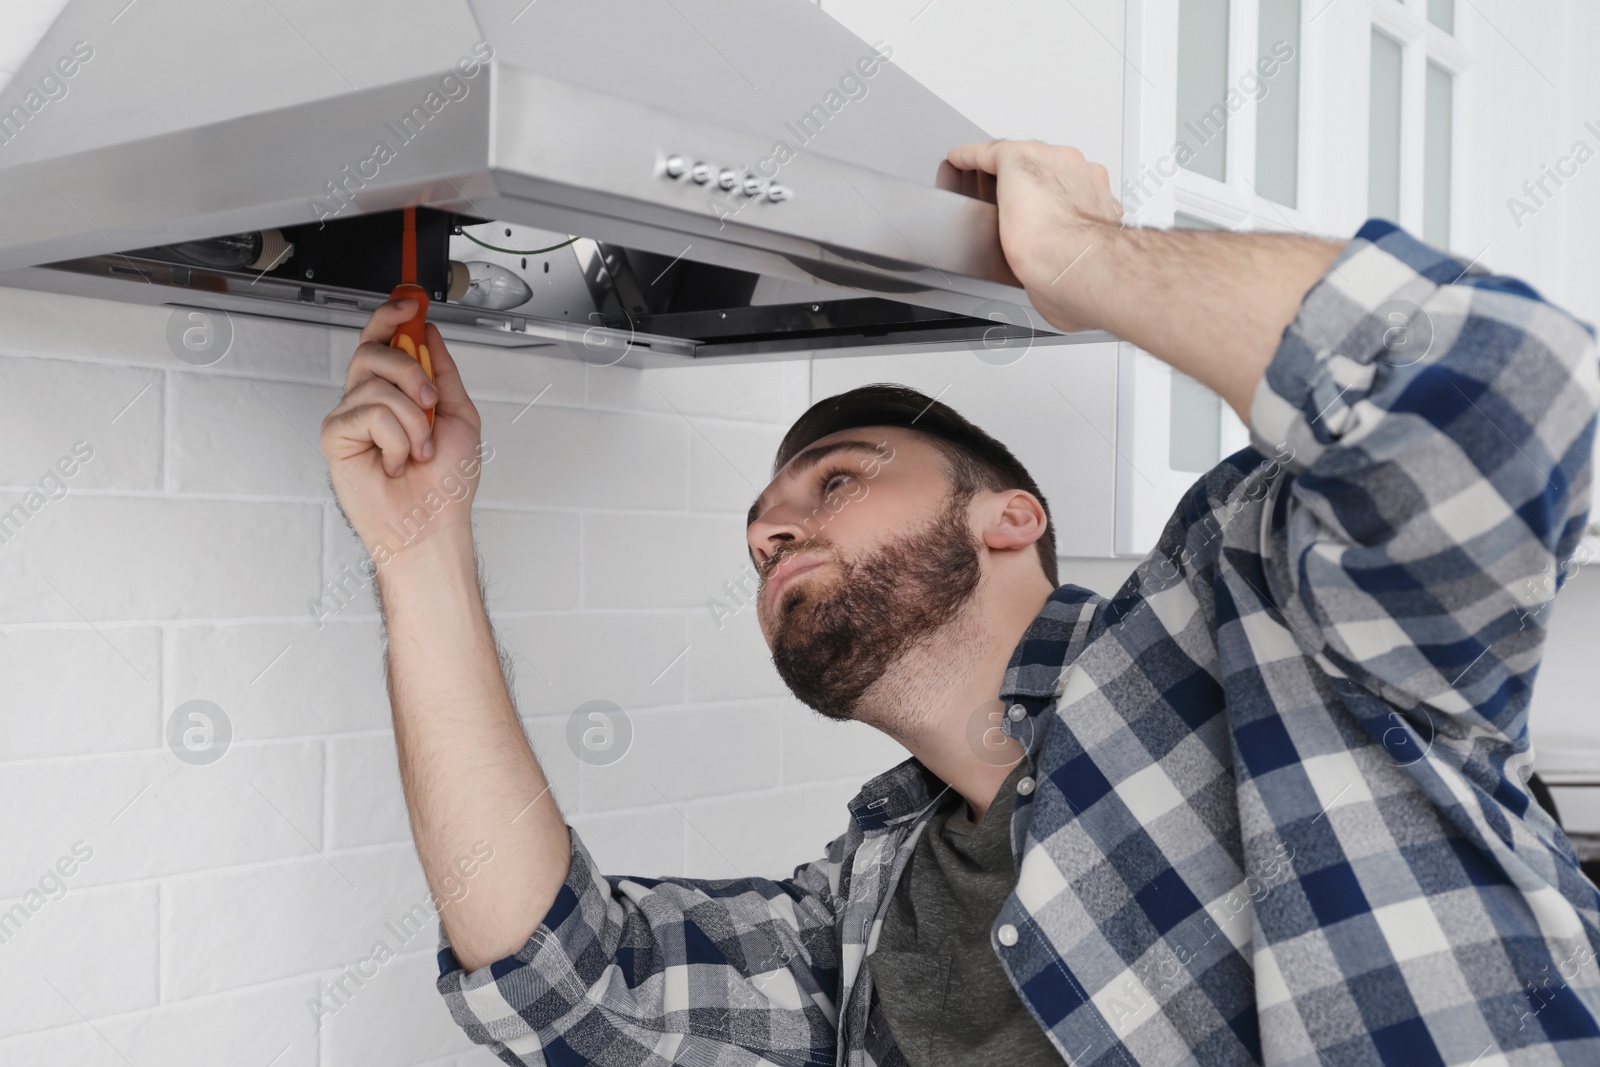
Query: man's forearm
x=1212, y=304
x=466, y=766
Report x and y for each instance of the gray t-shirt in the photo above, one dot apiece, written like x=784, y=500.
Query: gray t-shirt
x=935, y=975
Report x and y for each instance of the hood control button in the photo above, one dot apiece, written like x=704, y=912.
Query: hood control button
x=702, y=173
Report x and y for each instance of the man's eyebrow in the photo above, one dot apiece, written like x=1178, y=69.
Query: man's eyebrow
x=810, y=458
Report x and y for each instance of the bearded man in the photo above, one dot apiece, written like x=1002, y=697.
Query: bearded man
x=1265, y=804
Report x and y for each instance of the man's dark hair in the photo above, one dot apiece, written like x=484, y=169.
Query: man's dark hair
x=973, y=459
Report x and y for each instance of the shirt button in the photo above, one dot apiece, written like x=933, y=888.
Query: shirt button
x=1007, y=935
x=1024, y=786
x=1017, y=713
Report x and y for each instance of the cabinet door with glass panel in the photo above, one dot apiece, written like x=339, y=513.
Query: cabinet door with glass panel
x=1417, y=65
x=1300, y=116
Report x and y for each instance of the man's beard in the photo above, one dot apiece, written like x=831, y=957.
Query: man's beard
x=831, y=644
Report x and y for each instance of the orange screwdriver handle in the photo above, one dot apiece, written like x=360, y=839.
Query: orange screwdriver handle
x=412, y=337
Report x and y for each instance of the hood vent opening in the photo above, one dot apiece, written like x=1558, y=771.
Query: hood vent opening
x=513, y=285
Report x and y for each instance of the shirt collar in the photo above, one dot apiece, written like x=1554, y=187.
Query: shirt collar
x=1032, y=680
x=1052, y=641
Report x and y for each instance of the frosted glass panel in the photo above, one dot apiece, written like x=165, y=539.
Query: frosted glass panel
x=1202, y=144
x=1194, y=420
x=1436, y=158
x=1194, y=438
x=1278, y=113
x=1383, y=161
x=1442, y=13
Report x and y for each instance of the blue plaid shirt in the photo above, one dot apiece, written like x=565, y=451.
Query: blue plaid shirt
x=1280, y=813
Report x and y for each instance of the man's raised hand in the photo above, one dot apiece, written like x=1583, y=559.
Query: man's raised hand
x=384, y=459
x=1055, y=208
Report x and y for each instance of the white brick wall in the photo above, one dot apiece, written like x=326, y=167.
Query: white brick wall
x=178, y=567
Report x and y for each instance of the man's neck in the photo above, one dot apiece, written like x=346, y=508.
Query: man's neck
x=939, y=698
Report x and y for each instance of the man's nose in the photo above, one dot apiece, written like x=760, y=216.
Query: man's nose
x=777, y=526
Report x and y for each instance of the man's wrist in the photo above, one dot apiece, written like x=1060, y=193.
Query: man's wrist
x=1077, y=286
x=444, y=551
x=1114, y=252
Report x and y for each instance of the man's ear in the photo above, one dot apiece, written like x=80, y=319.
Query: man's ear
x=1015, y=519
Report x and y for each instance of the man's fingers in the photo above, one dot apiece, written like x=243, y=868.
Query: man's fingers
x=405, y=410
x=373, y=425
x=375, y=360
x=978, y=184
x=453, y=398
x=978, y=167
x=977, y=155
x=987, y=157
x=386, y=318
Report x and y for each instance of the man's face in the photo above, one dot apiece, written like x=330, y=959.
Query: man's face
x=863, y=552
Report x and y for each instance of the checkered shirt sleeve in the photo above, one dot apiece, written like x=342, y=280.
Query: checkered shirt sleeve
x=638, y=972
x=1439, y=425
x=1436, y=424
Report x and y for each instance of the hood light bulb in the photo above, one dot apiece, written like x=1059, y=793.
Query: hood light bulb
x=488, y=285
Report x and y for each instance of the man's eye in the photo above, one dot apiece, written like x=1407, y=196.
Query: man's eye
x=833, y=480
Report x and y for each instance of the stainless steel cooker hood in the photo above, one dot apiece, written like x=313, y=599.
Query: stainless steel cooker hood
x=722, y=177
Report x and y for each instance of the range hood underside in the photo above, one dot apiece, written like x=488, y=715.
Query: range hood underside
x=850, y=326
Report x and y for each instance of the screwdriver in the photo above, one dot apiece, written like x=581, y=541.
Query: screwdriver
x=411, y=337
